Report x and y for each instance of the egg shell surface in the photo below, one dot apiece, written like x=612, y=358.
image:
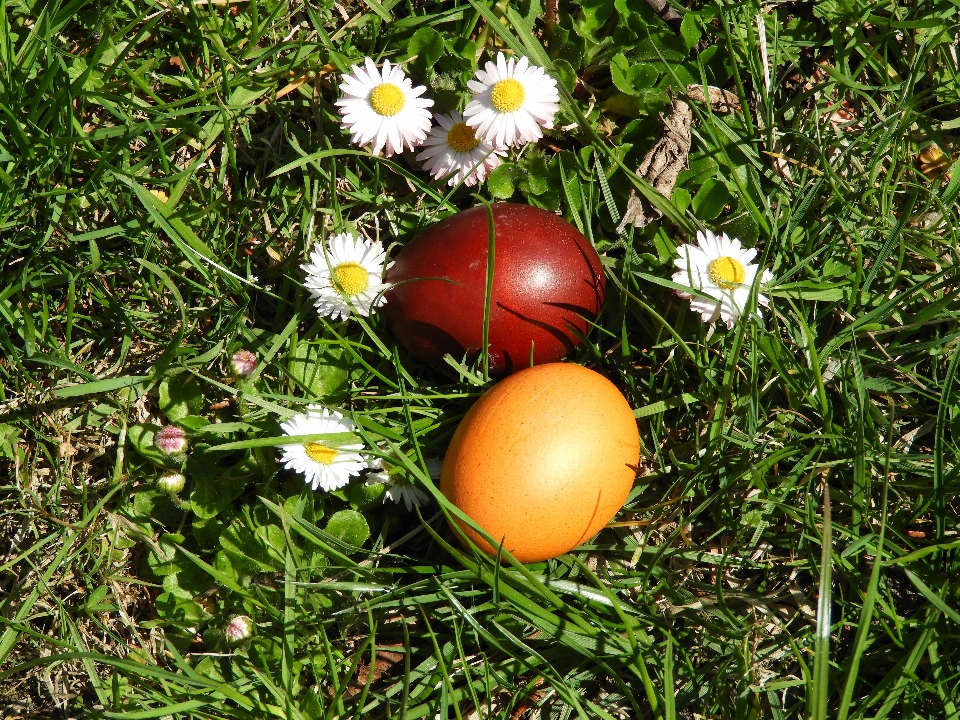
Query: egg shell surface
x=543, y=460
x=548, y=281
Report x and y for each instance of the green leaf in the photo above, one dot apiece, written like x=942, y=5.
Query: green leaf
x=743, y=227
x=363, y=497
x=180, y=396
x=249, y=551
x=537, y=179
x=701, y=168
x=593, y=15
x=349, y=526
x=162, y=559
x=9, y=437
x=218, y=479
x=427, y=45
x=690, y=30
x=172, y=607
x=645, y=102
x=619, y=72
x=566, y=74
x=710, y=199
x=319, y=368
x=501, y=183
x=273, y=541
x=157, y=505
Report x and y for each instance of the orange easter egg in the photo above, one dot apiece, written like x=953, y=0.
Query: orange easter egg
x=543, y=460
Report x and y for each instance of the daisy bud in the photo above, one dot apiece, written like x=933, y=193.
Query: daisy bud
x=171, y=482
x=171, y=440
x=238, y=629
x=243, y=363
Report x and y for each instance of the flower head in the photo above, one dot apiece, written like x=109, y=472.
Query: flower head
x=238, y=629
x=243, y=363
x=170, y=440
x=350, y=268
x=453, y=147
x=383, y=108
x=511, y=101
x=323, y=465
x=172, y=482
x=719, y=267
x=399, y=485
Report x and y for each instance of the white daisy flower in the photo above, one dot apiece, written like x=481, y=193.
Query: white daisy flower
x=399, y=485
x=511, y=101
x=453, y=147
x=350, y=269
x=719, y=267
x=323, y=466
x=383, y=108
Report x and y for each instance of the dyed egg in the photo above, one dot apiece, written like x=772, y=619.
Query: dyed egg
x=548, y=284
x=543, y=460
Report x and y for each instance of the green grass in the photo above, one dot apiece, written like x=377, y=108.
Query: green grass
x=159, y=184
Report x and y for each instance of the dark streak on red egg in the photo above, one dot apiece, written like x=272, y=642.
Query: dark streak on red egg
x=548, y=282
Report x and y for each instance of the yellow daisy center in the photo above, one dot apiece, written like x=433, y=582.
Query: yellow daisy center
x=320, y=453
x=462, y=137
x=387, y=99
x=727, y=272
x=508, y=95
x=351, y=278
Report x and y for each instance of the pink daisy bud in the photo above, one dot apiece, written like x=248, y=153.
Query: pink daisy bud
x=243, y=363
x=171, y=440
x=238, y=629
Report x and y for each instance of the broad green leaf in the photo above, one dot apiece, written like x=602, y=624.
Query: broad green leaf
x=427, y=45
x=180, y=396
x=162, y=559
x=247, y=551
x=644, y=102
x=157, y=505
x=272, y=539
x=593, y=14
x=743, y=227
x=690, y=30
x=566, y=74
x=710, y=199
x=9, y=436
x=349, y=526
x=218, y=479
x=174, y=608
x=620, y=73
x=321, y=369
x=363, y=497
x=501, y=183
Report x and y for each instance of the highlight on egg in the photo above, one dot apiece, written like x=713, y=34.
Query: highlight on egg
x=548, y=287
x=543, y=460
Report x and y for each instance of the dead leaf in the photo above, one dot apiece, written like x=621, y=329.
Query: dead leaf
x=662, y=164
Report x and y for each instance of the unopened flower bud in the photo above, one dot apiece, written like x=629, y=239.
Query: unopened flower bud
x=243, y=363
x=238, y=629
x=171, y=482
x=171, y=440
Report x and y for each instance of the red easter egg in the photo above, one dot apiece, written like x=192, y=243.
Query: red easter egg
x=548, y=283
